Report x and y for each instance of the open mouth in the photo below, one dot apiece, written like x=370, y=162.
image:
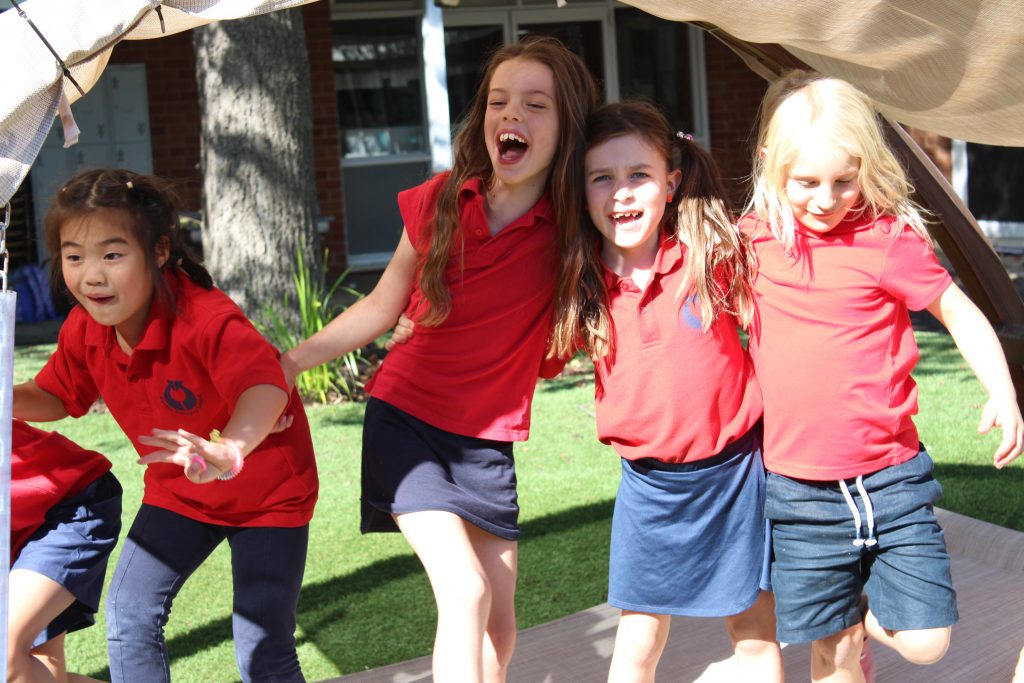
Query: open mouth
x=511, y=147
x=623, y=217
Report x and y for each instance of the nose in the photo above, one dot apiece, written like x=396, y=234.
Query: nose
x=94, y=273
x=825, y=197
x=623, y=193
x=512, y=112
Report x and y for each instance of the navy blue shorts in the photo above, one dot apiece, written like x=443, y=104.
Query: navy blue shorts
x=72, y=547
x=820, y=569
x=690, y=539
x=411, y=466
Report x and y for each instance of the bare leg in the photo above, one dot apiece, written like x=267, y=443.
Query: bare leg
x=920, y=646
x=836, y=658
x=34, y=602
x=472, y=574
x=499, y=558
x=758, y=657
x=639, y=642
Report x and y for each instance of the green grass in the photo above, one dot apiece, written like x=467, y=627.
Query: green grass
x=366, y=601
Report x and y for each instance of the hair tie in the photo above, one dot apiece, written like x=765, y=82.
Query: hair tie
x=130, y=184
x=684, y=136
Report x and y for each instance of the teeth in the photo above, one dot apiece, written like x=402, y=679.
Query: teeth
x=626, y=215
x=511, y=137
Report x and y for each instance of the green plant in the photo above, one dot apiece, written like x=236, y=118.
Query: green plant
x=286, y=326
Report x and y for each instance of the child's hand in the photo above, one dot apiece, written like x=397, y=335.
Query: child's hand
x=402, y=333
x=290, y=371
x=283, y=423
x=1004, y=413
x=202, y=460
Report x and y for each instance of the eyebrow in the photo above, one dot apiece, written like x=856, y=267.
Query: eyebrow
x=504, y=91
x=106, y=242
x=606, y=169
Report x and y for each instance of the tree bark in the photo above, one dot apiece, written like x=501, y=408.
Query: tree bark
x=259, y=191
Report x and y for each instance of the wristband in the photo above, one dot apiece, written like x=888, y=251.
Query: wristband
x=239, y=463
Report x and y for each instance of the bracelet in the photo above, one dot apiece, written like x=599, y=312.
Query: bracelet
x=236, y=469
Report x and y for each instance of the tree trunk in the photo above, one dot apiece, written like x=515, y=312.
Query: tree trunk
x=259, y=191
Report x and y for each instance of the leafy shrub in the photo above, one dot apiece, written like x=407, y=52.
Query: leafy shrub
x=286, y=326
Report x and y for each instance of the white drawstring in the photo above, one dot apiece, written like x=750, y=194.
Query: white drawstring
x=869, y=511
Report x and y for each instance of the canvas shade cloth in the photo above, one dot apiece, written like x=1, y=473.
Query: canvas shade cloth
x=82, y=32
x=954, y=67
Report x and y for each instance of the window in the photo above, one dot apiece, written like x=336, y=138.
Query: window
x=378, y=78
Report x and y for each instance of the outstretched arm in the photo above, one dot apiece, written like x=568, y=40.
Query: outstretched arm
x=256, y=412
x=363, y=321
x=35, y=404
x=980, y=347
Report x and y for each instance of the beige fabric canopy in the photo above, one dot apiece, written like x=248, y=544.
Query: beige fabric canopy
x=953, y=67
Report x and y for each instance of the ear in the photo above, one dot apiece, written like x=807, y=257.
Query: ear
x=763, y=152
x=674, y=179
x=162, y=251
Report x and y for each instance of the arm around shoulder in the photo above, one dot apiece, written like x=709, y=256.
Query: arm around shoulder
x=980, y=347
x=363, y=321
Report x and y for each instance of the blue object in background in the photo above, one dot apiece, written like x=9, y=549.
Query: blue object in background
x=35, y=303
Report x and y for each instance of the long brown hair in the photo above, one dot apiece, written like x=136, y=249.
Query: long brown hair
x=151, y=206
x=575, y=94
x=718, y=267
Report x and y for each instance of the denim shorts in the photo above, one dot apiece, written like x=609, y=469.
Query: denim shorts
x=820, y=567
x=71, y=548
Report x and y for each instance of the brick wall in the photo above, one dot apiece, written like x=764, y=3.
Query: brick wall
x=734, y=94
x=174, y=115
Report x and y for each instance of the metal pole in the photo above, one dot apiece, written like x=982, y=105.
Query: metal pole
x=7, y=301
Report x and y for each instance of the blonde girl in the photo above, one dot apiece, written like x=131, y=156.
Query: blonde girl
x=843, y=255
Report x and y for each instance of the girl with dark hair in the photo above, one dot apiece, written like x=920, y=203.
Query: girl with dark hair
x=478, y=265
x=197, y=390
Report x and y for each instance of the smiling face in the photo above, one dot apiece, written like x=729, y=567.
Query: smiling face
x=822, y=185
x=628, y=187
x=106, y=270
x=521, y=123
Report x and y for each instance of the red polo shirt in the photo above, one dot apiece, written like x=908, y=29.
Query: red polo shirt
x=475, y=373
x=834, y=348
x=187, y=372
x=46, y=468
x=671, y=391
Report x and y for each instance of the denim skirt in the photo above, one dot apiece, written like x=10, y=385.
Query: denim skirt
x=690, y=539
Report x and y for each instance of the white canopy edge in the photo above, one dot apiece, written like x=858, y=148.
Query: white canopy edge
x=82, y=32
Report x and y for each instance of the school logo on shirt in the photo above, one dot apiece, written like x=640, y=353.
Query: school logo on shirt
x=180, y=398
x=689, y=312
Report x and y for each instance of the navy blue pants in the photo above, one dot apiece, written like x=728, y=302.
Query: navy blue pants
x=162, y=550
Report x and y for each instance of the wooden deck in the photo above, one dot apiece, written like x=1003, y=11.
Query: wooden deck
x=988, y=570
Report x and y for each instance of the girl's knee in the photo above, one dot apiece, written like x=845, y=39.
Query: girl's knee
x=923, y=646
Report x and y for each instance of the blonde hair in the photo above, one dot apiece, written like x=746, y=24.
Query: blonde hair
x=718, y=265
x=802, y=107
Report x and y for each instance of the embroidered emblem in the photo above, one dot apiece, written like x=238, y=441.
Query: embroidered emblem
x=689, y=312
x=180, y=398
